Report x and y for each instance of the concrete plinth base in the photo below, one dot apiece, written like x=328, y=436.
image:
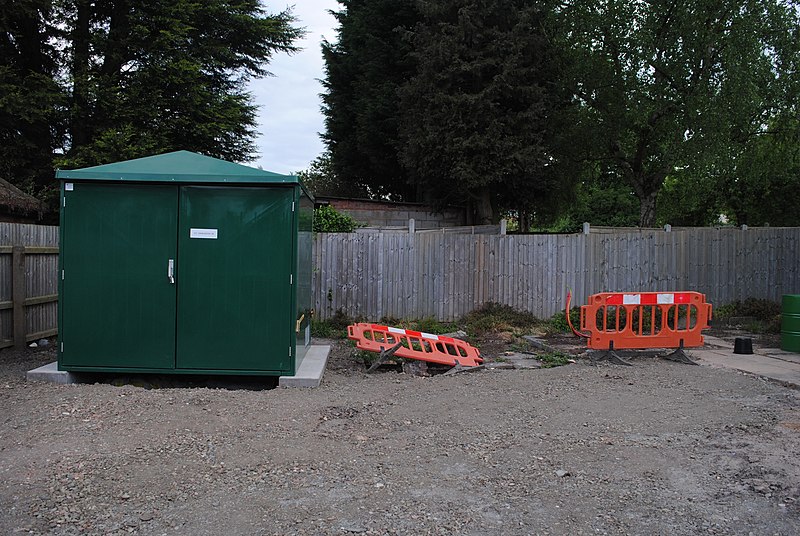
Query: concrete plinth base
x=50, y=373
x=311, y=369
x=309, y=374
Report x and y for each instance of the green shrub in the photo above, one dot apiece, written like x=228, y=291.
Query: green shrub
x=332, y=328
x=431, y=325
x=496, y=317
x=328, y=220
x=760, y=309
x=558, y=322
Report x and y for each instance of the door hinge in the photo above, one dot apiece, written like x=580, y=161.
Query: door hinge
x=62, y=275
x=291, y=279
x=290, y=351
x=65, y=200
x=62, y=347
x=292, y=206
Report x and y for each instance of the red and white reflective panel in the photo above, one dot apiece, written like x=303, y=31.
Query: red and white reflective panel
x=411, y=333
x=649, y=298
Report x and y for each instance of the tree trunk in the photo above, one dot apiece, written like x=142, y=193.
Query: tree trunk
x=80, y=75
x=647, y=209
x=484, y=213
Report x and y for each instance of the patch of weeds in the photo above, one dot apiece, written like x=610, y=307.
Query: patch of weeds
x=496, y=317
x=553, y=359
x=725, y=311
x=433, y=326
x=764, y=326
x=390, y=321
x=558, y=322
x=774, y=325
x=331, y=328
x=760, y=309
x=427, y=325
x=368, y=358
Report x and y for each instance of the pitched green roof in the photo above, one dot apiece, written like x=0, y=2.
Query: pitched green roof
x=180, y=166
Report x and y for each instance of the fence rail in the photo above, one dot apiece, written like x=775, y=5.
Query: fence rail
x=447, y=275
x=28, y=283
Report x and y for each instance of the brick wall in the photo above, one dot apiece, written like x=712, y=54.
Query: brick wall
x=388, y=214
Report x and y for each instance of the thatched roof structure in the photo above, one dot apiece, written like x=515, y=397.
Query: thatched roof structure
x=17, y=206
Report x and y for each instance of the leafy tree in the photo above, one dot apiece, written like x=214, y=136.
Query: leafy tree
x=599, y=199
x=365, y=68
x=476, y=113
x=321, y=180
x=668, y=85
x=118, y=79
x=154, y=75
x=31, y=100
x=329, y=220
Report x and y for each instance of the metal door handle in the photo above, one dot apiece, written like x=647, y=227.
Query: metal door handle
x=171, y=271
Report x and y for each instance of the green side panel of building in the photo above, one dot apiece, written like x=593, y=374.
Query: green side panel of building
x=304, y=296
x=116, y=301
x=234, y=265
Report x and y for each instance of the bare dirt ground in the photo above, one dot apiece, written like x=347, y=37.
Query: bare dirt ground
x=657, y=448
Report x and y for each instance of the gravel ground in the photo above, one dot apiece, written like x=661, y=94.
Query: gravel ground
x=658, y=448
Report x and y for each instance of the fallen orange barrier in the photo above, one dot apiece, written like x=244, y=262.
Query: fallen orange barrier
x=638, y=320
x=411, y=344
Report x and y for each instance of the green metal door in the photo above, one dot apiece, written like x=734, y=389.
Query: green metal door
x=119, y=303
x=234, y=289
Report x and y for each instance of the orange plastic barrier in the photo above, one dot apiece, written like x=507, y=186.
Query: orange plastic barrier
x=637, y=320
x=414, y=345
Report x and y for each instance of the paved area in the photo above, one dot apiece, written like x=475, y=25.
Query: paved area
x=769, y=363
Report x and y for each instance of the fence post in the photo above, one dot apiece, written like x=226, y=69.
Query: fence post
x=18, y=296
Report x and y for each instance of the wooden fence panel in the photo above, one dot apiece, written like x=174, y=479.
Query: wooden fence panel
x=29, y=290
x=446, y=275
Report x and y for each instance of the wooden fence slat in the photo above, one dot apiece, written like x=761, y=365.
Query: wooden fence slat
x=18, y=296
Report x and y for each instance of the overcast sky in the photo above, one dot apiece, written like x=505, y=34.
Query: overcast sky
x=289, y=117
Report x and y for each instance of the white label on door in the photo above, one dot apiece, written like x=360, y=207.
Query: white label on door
x=203, y=233
x=68, y=186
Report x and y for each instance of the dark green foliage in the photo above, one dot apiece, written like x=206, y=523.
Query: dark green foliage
x=760, y=309
x=328, y=220
x=553, y=359
x=31, y=101
x=602, y=201
x=558, y=322
x=334, y=327
x=168, y=75
x=666, y=86
x=97, y=82
x=476, y=113
x=364, y=70
x=321, y=180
